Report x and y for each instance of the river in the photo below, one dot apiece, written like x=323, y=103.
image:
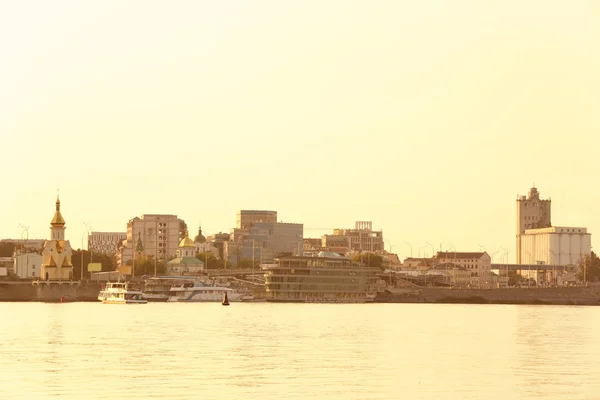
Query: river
x=298, y=351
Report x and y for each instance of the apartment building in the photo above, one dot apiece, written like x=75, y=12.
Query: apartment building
x=160, y=235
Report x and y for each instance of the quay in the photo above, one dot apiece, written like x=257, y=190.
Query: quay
x=575, y=295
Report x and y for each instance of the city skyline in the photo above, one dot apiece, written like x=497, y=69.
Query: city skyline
x=427, y=119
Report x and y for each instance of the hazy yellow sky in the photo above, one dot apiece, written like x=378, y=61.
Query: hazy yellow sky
x=426, y=117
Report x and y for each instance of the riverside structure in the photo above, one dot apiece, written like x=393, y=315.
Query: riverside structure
x=327, y=278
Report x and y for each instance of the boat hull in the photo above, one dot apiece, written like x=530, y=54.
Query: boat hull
x=122, y=301
x=203, y=298
x=154, y=298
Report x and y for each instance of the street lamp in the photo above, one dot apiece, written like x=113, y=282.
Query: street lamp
x=408, y=244
x=82, y=236
x=432, y=248
x=24, y=247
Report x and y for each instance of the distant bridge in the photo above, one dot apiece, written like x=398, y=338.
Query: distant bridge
x=533, y=267
x=234, y=272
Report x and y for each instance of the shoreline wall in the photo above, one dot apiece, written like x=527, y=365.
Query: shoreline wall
x=578, y=295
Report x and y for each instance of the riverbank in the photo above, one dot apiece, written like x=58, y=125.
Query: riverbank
x=26, y=291
x=578, y=295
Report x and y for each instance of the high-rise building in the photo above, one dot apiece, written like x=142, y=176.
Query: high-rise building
x=267, y=240
x=245, y=218
x=217, y=240
x=159, y=235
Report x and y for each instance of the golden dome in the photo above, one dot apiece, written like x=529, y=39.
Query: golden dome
x=187, y=242
x=58, y=219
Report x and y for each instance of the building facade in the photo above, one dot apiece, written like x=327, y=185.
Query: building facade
x=479, y=265
x=532, y=213
x=160, y=236
x=361, y=238
x=27, y=265
x=246, y=218
x=217, y=241
x=105, y=242
x=538, y=242
x=556, y=245
x=266, y=240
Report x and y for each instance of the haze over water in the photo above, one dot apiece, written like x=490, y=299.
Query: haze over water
x=259, y=351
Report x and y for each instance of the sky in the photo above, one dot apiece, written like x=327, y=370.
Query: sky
x=427, y=118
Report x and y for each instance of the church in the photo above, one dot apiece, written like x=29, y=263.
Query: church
x=56, y=252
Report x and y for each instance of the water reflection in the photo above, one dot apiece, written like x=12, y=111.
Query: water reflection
x=257, y=351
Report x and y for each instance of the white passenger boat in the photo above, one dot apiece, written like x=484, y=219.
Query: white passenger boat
x=121, y=293
x=158, y=288
x=200, y=291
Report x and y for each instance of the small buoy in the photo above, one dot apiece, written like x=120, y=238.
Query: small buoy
x=225, y=300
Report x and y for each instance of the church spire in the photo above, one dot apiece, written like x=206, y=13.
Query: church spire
x=139, y=246
x=58, y=219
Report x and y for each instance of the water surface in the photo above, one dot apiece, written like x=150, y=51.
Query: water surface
x=298, y=351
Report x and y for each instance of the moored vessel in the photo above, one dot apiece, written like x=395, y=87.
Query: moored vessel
x=157, y=288
x=327, y=278
x=121, y=293
x=200, y=291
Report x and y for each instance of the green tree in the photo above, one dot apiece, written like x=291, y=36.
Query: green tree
x=145, y=264
x=514, y=278
x=589, y=268
x=210, y=260
x=244, y=263
x=6, y=249
x=369, y=260
x=106, y=261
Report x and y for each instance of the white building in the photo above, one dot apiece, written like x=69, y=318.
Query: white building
x=105, y=242
x=160, y=236
x=556, y=245
x=27, y=265
x=538, y=242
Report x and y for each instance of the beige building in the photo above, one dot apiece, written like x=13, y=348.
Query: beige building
x=478, y=265
x=27, y=264
x=361, y=238
x=556, y=245
x=538, y=242
x=105, y=242
x=160, y=236
x=458, y=276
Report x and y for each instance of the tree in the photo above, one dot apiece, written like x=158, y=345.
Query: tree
x=145, y=264
x=589, y=268
x=245, y=263
x=6, y=249
x=106, y=261
x=514, y=278
x=369, y=260
x=210, y=260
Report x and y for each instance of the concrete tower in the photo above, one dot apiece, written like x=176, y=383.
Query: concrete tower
x=532, y=213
